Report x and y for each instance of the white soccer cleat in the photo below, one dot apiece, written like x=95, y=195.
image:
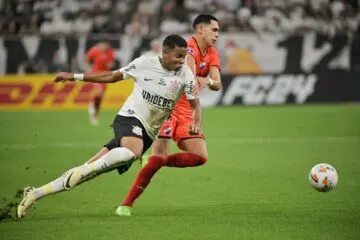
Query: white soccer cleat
x=94, y=121
x=27, y=201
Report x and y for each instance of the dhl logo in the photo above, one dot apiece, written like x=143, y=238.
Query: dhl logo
x=38, y=92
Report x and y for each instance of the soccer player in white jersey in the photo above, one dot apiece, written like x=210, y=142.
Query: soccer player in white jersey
x=159, y=82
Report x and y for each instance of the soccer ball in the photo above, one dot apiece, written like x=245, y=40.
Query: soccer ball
x=323, y=177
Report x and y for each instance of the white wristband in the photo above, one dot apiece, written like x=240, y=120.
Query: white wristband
x=79, y=76
x=211, y=82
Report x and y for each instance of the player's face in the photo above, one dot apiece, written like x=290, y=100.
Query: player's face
x=104, y=46
x=210, y=32
x=174, y=58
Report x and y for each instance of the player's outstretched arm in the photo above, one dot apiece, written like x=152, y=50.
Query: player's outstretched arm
x=195, y=127
x=101, y=77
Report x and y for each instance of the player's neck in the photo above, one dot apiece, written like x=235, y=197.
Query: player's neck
x=203, y=46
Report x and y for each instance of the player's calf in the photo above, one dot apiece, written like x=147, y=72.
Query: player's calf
x=182, y=160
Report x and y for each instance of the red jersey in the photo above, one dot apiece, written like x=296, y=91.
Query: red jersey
x=203, y=64
x=101, y=60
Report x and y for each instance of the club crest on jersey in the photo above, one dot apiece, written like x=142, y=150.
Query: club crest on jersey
x=174, y=85
x=167, y=131
x=137, y=130
x=190, y=50
x=202, y=65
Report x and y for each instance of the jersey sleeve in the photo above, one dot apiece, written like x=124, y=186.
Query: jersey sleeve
x=112, y=54
x=191, y=50
x=133, y=69
x=215, y=59
x=189, y=84
x=91, y=54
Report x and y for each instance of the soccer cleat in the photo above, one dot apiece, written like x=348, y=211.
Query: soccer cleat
x=94, y=121
x=123, y=211
x=144, y=160
x=27, y=201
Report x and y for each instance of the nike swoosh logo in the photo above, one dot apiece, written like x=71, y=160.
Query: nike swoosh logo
x=148, y=79
x=68, y=180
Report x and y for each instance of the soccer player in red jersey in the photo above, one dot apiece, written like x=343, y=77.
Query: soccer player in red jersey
x=102, y=57
x=204, y=61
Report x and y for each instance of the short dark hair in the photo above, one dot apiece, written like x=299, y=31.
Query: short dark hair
x=174, y=40
x=203, y=18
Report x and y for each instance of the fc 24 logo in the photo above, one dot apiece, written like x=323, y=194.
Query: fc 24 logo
x=269, y=89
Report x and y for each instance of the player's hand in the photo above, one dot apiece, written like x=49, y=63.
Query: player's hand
x=203, y=82
x=194, y=129
x=63, y=77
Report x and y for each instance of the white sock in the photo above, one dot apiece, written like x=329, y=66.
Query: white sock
x=107, y=162
x=52, y=187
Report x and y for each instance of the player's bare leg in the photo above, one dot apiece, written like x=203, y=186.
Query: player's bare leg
x=160, y=149
x=94, y=107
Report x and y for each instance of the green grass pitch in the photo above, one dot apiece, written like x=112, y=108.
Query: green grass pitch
x=254, y=186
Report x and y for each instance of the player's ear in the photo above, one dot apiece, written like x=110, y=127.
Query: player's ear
x=200, y=28
x=165, y=49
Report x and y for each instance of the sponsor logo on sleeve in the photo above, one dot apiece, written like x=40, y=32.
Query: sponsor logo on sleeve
x=131, y=67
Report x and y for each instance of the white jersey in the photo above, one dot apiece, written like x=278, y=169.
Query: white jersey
x=156, y=91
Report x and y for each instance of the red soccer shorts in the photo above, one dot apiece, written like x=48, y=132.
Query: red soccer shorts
x=177, y=128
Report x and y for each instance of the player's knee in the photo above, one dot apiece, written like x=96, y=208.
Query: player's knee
x=160, y=148
x=133, y=146
x=159, y=152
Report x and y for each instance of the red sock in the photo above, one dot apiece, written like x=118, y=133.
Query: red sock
x=182, y=160
x=143, y=179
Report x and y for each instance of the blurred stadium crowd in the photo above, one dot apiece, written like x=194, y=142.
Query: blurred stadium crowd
x=154, y=17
